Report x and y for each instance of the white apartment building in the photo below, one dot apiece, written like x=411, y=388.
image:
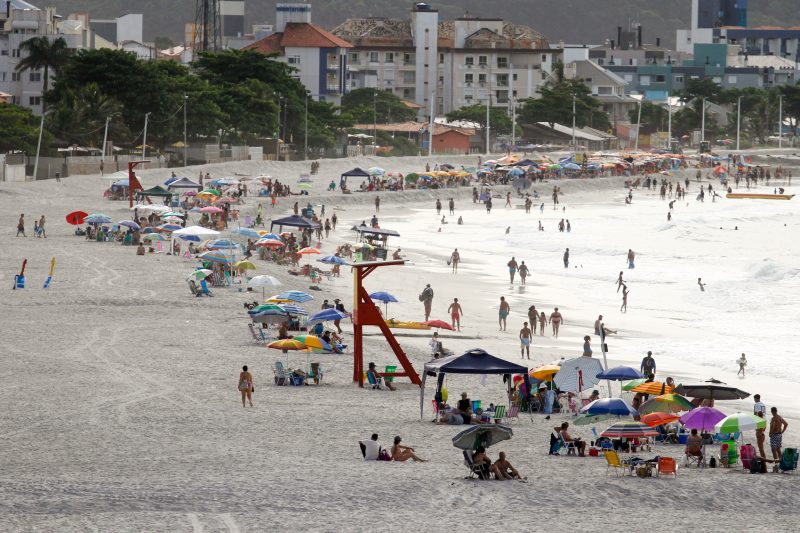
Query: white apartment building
x=459, y=63
x=20, y=22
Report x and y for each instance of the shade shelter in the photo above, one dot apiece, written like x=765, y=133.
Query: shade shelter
x=184, y=183
x=156, y=191
x=294, y=221
x=475, y=361
x=354, y=173
x=376, y=237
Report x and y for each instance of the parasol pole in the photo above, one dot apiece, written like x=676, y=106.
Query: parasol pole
x=603, y=349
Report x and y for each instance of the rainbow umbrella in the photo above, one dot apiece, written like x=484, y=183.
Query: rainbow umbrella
x=629, y=430
x=293, y=296
x=312, y=341
x=666, y=403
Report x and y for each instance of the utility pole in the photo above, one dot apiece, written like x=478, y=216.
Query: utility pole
x=305, y=143
x=38, y=147
x=780, y=121
x=144, y=141
x=430, y=125
x=375, y=114
x=105, y=139
x=703, y=123
x=185, y=146
x=488, y=127
x=603, y=349
x=639, y=123
x=669, y=124
x=738, y=119
x=573, y=123
x=513, y=123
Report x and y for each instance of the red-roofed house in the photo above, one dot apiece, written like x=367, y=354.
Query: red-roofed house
x=319, y=57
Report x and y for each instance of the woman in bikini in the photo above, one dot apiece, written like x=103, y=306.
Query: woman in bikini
x=246, y=386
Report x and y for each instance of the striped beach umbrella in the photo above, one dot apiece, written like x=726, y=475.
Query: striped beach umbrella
x=740, y=422
x=578, y=374
x=653, y=387
x=629, y=430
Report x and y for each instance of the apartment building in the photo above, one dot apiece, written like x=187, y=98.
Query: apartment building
x=451, y=64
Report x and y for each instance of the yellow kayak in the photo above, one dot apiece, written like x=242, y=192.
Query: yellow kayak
x=397, y=324
x=736, y=195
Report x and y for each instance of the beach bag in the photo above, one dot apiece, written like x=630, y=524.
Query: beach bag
x=747, y=453
x=755, y=466
x=383, y=455
x=422, y=297
x=712, y=463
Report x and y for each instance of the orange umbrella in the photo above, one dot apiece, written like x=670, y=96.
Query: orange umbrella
x=657, y=419
x=653, y=387
x=308, y=250
x=287, y=344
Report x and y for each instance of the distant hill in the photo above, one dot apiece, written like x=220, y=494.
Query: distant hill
x=573, y=21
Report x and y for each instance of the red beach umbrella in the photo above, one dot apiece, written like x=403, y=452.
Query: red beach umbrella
x=438, y=324
x=76, y=217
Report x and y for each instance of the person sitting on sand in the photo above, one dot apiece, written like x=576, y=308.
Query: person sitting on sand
x=694, y=445
x=484, y=463
x=505, y=469
x=403, y=453
x=140, y=249
x=396, y=255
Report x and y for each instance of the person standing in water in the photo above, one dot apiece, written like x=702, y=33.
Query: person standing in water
x=624, y=306
x=701, y=284
x=455, y=258
x=566, y=258
x=542, y=323
x=523, y=272
x=525, y=336
x=512, y=269
x=631, y=257
x=426, y=297
x=505, y=309
x=742, y=361
x=246, y=386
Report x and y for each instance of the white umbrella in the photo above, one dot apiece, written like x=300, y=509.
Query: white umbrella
x=195, y=231
x=578, y=374
x=263, y=281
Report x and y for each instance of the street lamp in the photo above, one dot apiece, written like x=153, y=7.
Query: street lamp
x=573, y=122
x=185, y=146
x=144, y=141
x=305, y=144
x=639, y=123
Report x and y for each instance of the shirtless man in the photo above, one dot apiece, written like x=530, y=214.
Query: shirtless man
x=505, y=309
x=504, y=468
x=512, y=269
x=579, y=444
x=455, y=313
x=523, y=272
x=455, y=257
x=631, y=258
x=777, y=426
x=555, y=320
x=525, y=340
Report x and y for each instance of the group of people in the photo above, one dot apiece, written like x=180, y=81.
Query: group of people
x=38, y=227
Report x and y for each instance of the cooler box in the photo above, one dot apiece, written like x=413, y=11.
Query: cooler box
x=20, y=282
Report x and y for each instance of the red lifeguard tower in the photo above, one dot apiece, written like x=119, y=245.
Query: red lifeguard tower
x=133, y=181
x=365, y=313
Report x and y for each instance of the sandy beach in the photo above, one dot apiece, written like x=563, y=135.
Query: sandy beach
x=119, y=388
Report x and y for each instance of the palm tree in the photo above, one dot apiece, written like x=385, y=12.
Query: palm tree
x=44, y=54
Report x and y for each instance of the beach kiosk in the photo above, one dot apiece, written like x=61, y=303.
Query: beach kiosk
x=376, y=238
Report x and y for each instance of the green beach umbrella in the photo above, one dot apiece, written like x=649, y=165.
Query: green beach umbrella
x=740, y=422
x=633, y=383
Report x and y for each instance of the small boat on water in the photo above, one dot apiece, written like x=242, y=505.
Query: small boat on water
x=736, y=196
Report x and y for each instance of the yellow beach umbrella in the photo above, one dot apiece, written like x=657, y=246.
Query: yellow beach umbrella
x=544, y=373
x=244, y=265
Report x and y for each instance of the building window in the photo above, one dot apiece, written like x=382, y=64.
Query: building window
x=544, y=58
x=468, y=98
x=481, y=78
x=293, y=60
x=678, y=79
x=15, y=76
x=482, y=61
x=501, y=97
x=502, y=80
x=469, y=61
x=717, y=79
x=408, y=93
x=732, y=80
x=2, y=76
x=514, y=94
x=353, y=57
x=409, y=59
x=409, y=77
x=628, y=77
x=660, y=78
x=644, y=80
x=468, y=78
x=502, y=62
x=601, y=61
x=373, y=57
x=35, y=76
x=441, y=59
x=15, y=52
x=514, y=77
x=389, y=57
x=35, y=100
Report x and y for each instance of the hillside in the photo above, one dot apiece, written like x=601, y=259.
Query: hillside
x=573, y=21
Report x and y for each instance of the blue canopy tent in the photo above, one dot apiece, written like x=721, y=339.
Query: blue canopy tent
x=354, y=173
x=294, y=221
x=475, y=361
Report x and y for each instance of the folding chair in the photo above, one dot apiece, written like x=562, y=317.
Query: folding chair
x=666, y=466
x=475, y=471
x=570, y=446
x=697, y=460
x=315, y=373
x=613, y=461
x=280, y=374
x=257, y=334
x=513, y=413
x=788, y=461
x=499, y=414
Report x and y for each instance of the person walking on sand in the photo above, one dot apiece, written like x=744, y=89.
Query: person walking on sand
x=624, y=307
x=620, y=282
x=631, y=257
x=542, y=323
x=246, y=386
x=505, y=309
x=508, y=199
x=512, y=269
x=377, y=204
x=41, y=227
x=438, y=207
x=525, y=335
x=566, y=258
x=452, y=205
x=455, y=258
x=455, y=314
x=742, y=362
x=701, y=284
x=587, y=346
x=777, y=426
x=426, y=297
x=523, y=272
x=21, y=225
x=555, y=320
x=533, y=317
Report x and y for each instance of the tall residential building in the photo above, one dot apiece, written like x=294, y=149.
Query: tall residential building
x=462, y=62
x=20, y=21
x=231, y=13
x=318, y=57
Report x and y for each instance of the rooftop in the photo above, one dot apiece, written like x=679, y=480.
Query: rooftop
x=298, y=35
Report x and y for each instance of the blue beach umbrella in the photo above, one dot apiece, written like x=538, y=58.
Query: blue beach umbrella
x=247, y=233
x=620, y=373
x=97, y=218
x=609, y=406
x=332, y=260
x=326, y=315
x=222, y=244
x=129, y=224
x=293, y=296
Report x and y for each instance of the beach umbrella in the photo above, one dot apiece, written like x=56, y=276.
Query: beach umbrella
x=226, y=200
x=222, y=244
x=439, y=324
x=195, y=209
x=588, y=420
x=305, y=186
x=326, y=315
x=97, y=218
x=263, y=281
x=294, y=309
x=211, y=192
x=740, y=422
x=172, y=219
x=578, y=374
x=712, y=391
x=544, y=372
x=652, y=387
x=332, y=260
x=293, y=296
x=129, y=224
x=516, y=172
x=312, y=341
x=620, y=373
x=287, y=344
x=633, y=383
x=210, y=209
x=269, y=243
x=609, y=406
x=247, y=233
x=263, y=308
x=244, y=265
x=666, y=403
x=217, y=256
x=658, y=419
x=270, y=236
x=76, y=217
x=152, y=237
x=200, y=273
x=384, y=297
x=702, y=418
x=195, y=233
x=308, y=250
x=169, y=227
x=629, y=430
x=484, y=435
x=148, y=229
x=376, y=171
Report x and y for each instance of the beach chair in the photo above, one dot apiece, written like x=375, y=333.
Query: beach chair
x=257, y=334
x=375, y=382
x=389, y=369
x=513, y=412
x=788, y=461
x=499, y=414
x=194, y=289
x=613, y=461
x=697, y=460
x=747, y=453
x=315, y=373
x=280, y=374
x=666, y=466
x=570, y=446
x=475, y=471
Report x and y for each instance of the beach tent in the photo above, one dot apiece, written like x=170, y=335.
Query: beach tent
x=184, y=183
x=354, y=173
x=156, y=191
x=475, y=361
x=294, y=221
